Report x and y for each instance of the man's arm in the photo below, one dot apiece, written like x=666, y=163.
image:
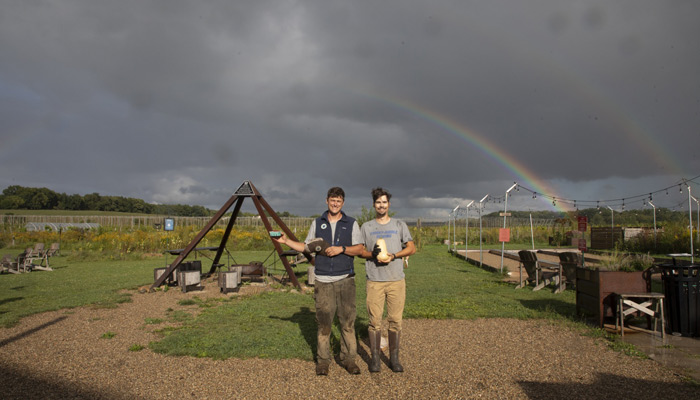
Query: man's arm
x=355, y=250
x=294, y=245
x=364, y=253
x=410, y=249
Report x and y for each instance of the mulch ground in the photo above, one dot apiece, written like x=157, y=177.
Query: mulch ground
x=62, y=355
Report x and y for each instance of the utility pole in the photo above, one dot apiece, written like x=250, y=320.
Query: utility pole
x=652, y=204
x=612, y=228
x=481, y=252
x=505, y=214
x=466, y=237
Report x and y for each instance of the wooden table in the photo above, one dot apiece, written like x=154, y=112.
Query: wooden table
x=629, y=303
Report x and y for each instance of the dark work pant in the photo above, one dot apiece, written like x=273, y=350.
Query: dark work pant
x=331, y=298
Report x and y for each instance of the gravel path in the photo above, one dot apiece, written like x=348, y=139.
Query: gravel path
x=61, y=355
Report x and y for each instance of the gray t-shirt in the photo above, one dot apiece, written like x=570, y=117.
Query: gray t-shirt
x=396, y=234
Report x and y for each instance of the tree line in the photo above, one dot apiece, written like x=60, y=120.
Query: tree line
x=25, y=198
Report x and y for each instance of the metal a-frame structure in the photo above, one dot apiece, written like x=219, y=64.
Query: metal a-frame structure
x=247, y=189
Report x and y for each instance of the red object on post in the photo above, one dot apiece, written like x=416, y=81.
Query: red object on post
x=582, y=223
x=582, y=245
x=504, y=234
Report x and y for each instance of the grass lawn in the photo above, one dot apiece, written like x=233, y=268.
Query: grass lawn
x=279, y=324
x=282, y=324
x=71, y=284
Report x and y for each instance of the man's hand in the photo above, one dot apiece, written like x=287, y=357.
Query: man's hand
x=281, y=240
x=333, y=251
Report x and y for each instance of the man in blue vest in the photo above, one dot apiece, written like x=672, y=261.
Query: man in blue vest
x=334, y=287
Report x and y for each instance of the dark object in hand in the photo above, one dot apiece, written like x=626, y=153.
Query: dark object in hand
x=317, y=245
x=376, y=251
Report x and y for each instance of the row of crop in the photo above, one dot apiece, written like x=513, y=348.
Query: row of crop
x=121, y=243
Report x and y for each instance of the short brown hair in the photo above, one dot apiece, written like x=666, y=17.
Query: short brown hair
x=379, y=192
x=335, y=192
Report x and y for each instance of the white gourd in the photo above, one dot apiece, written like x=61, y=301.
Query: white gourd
x=383, y=254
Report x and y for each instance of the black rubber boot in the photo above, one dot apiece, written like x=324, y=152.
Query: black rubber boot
x=394, y=339
x=375, y=339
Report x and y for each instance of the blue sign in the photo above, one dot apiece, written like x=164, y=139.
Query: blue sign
x=169, y=224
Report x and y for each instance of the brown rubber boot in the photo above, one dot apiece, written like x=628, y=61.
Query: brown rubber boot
x=375, y=338
x=352, y=368
x=394, y=339
x=322, y=367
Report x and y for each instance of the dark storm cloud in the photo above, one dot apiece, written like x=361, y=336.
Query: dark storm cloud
x=177, y=101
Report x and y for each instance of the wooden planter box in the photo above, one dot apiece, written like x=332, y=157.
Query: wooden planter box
x=229, y=281
x=595, y=291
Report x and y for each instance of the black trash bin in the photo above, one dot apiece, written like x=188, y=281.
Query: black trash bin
x=682, y=303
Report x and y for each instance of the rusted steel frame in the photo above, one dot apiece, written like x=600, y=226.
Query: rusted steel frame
x=284, y=227
x=227, y=233
x=278, y=247
x=194, y=242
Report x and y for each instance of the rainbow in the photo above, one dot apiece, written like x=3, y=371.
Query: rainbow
x=525, y=176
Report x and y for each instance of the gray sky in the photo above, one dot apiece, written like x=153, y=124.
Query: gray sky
x=439, y=101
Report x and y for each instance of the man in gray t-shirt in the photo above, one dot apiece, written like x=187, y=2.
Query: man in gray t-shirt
x=396, y=234
x=385, y=280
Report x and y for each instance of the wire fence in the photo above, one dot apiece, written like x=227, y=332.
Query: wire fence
x=118, y=221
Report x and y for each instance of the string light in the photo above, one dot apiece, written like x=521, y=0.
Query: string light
x=637, y=201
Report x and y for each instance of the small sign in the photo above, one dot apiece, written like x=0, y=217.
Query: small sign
x=582, y=245
x=582, y=223
x=169, y=224
x=504, y=214
x=504, y=235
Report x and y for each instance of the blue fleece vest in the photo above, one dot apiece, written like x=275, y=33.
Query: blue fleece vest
x=341, y=264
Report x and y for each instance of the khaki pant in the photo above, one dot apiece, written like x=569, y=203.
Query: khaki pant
x=394, y=293
x=331, y=298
